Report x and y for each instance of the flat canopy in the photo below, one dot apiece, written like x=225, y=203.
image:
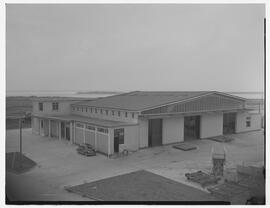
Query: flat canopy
x=92, y=121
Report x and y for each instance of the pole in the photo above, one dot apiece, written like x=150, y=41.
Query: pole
x=20, y=125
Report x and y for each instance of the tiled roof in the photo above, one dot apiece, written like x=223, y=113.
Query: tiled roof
x=56, y=98
x=140, y=100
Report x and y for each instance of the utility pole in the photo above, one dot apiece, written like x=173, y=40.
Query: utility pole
x=20, y=126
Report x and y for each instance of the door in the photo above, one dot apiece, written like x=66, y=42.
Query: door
x=191, y=127
x=154, y=132
x=63, y=130
x=116, y=144
x=229, y=123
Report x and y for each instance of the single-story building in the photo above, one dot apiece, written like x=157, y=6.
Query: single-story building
x=142, y=119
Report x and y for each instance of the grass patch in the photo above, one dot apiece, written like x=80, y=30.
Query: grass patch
x=18, y=163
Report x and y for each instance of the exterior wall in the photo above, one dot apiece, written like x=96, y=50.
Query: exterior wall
x=81, y=111
x=54, y=128
x=131, y=138
x=173, y=130
x=90, y=138
x=241, y=122
x=35, y=125
x=63, y=108
x=102, y=143
x=211, y=125
x=79, y=135
x=143, y=133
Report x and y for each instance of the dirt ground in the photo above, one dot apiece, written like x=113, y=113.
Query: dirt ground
x=59, y=165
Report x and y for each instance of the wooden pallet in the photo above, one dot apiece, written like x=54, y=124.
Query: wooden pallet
x=202, y=178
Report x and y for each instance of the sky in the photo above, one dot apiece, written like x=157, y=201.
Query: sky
x=118, y=47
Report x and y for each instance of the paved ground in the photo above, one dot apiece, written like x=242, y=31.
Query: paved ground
x=59, y=164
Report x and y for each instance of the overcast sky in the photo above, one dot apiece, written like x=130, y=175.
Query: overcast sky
x=135, y=47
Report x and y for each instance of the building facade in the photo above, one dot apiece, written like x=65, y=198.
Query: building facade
x=142, y=119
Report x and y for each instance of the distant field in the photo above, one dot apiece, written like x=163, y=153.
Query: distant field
x=17, y=106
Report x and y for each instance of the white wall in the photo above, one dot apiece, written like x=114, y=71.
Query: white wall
x=173, y=130
x=143, y=133
x=211, y=125
x=131, y=138
x=63, y=108
x=241, y=122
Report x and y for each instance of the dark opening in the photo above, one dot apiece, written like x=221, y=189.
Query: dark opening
x=62, y=130
x=154, y=132
x=118, y=138
x=229, y=123
x=67, y=133
x=191, y=127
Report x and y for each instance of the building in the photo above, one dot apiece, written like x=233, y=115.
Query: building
x=142, y=119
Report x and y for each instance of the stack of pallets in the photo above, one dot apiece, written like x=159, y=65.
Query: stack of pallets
x=86, y=150
x=202, y=178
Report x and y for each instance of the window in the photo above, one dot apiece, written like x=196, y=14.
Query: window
x=40, y=106
x=107, y=112
x=113, y=113
x=73, y=108
x=85, y=109
x=41, y=124
x=78, y=108
x=79, y=125
x=119, y=113
x=82, y=109
x=95, y=110
x=132, y=115
x=248, y=121
x=91, y=110
x=103, y=130
x=126, y=114
x=55, y=106
x=101, y=111
x=92, y=128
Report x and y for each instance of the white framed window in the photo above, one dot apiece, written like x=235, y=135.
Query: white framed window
x=103, y=130
x=79, y=125
x=126, y=114
x=119, y=113
x=248, y=121
x=132, y=115
x=40, y=106
x=112, y=113
x=89, y=127
x=55, y=106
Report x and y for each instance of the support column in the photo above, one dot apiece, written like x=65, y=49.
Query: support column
x=50, y=128
x=59, y=129
x=109, y=142
x=71, y=132
x=95, y=138
x=84, y=133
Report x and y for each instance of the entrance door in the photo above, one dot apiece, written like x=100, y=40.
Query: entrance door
x=154, y=132
x=63, y=130
x=118, y=138
x=191, y=127
x=67, y=133
x=229, y=123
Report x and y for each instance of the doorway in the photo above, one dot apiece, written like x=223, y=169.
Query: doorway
x=154, y=132
x=229, y=123
x=191, y=128
x=118, y=138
